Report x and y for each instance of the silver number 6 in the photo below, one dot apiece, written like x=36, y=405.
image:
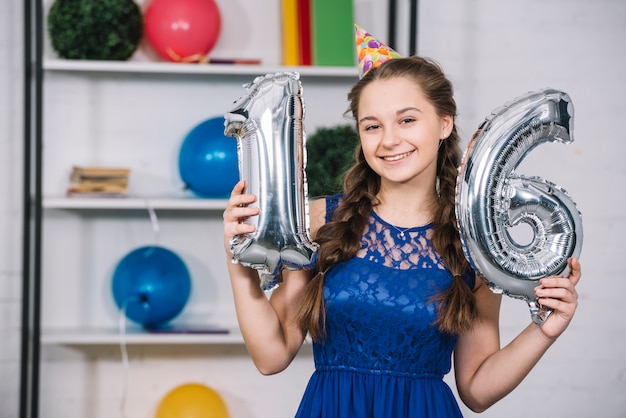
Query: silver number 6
x=491, y=199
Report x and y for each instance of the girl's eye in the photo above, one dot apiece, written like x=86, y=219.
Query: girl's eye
x=407, y=120
x=371, y=127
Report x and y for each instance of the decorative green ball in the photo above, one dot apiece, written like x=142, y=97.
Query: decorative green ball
x=95, y=29
x=330, y=152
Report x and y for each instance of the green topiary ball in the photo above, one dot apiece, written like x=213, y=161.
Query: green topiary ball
x=95, y=29
x=330, y=152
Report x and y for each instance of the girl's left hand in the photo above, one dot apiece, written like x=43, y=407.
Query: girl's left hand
x=559, y=294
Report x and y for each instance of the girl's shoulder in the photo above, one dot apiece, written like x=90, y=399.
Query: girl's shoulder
x=321, y=211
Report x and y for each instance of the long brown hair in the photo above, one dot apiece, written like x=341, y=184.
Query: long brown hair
x=339, y=239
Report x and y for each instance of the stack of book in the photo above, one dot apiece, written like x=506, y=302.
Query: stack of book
x=318, y=32
x=98, y=182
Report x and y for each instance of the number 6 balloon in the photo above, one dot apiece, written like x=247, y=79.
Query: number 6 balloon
x=267, y=122
x=491, y=199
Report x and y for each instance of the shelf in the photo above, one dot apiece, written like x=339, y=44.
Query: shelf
x=138, y=336
x=178, y=68
x=133, y=203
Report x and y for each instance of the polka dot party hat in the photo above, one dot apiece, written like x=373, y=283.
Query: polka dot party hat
x=370, y=52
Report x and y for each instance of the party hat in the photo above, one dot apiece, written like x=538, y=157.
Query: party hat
x=370, y=51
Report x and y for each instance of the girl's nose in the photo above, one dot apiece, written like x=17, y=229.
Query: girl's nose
x=390, y=138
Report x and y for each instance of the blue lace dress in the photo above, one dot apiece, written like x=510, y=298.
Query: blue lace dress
x=382, y=356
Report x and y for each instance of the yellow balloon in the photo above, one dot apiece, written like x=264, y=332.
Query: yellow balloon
x=192, y=400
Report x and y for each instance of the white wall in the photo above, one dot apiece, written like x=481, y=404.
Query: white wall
x=10, y=203
x=493, y=51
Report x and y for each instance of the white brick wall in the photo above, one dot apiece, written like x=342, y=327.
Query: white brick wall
x=493, y=51
x=10, y=203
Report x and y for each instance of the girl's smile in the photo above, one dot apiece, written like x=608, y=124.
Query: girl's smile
x=397, y=157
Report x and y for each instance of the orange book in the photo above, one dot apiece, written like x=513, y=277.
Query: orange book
x=291, y=53
x=89, y=171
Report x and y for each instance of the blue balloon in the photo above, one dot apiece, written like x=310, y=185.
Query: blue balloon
x=153, y=283
x=208, y=161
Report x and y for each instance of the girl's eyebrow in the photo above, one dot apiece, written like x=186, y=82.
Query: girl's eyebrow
x=407, y=109
x=399, y=112
x=366, y=118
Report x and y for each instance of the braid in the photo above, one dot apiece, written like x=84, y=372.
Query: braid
x=457, y=307
x=339, y=240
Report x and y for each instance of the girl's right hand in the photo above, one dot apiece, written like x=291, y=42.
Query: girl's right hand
x=237, y=213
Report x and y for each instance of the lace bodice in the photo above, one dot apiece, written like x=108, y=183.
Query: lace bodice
x=380, y=307
x=398, y=248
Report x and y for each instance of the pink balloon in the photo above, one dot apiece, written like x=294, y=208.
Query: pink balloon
x=182, y=30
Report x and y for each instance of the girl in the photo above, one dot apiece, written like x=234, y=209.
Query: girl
x=392, y=295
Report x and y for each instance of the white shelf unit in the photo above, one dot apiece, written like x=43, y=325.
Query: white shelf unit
x=145, y=67
x=111, y=122
x=123, y=211
x=136, y=114
x=138, y=203
x=138, y=336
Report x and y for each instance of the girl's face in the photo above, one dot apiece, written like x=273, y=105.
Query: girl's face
x=400, y=131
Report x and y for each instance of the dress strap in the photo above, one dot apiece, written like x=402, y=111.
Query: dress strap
x=331, y=204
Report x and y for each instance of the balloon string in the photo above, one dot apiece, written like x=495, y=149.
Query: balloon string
x=154, y=221
x=124, y=353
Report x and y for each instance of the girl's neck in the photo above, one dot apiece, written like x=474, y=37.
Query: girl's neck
x=405, y=207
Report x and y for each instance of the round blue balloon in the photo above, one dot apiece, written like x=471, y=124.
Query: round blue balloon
x=208, y=161
x=154, y=284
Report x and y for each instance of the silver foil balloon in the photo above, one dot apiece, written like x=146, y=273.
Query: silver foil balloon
x=267, y=122
x=491, y=199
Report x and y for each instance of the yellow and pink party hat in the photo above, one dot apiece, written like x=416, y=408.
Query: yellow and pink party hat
x=370, y=51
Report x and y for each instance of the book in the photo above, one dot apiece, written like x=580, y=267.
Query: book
x=99, y=187
x=291, y=54
x=94, y=181
x=100, y=171
x=304, y=32
x=332, y=29
x=188, y=329
x=98, y=182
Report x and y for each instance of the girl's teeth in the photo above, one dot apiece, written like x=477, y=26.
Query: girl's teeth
x=396, y=157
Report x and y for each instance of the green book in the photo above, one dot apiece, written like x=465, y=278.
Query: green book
x=332, y=35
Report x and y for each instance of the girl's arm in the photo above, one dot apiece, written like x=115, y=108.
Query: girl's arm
x=485, y=373
x=271, y=335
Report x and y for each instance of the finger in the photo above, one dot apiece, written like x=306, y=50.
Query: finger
x=555, y=282
x=557, y=293
x=573, y=277
x=237, y=225
x=561, y=289
x=575, y=270
x=240, y=229
x=239, y=188
x=557, y=305
x=239, y=214
x=237, y=200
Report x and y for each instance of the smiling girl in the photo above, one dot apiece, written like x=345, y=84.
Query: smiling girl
x=392, y=297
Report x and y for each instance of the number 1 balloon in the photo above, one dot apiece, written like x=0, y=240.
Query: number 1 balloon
x=267, y=122
x=491, y=199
